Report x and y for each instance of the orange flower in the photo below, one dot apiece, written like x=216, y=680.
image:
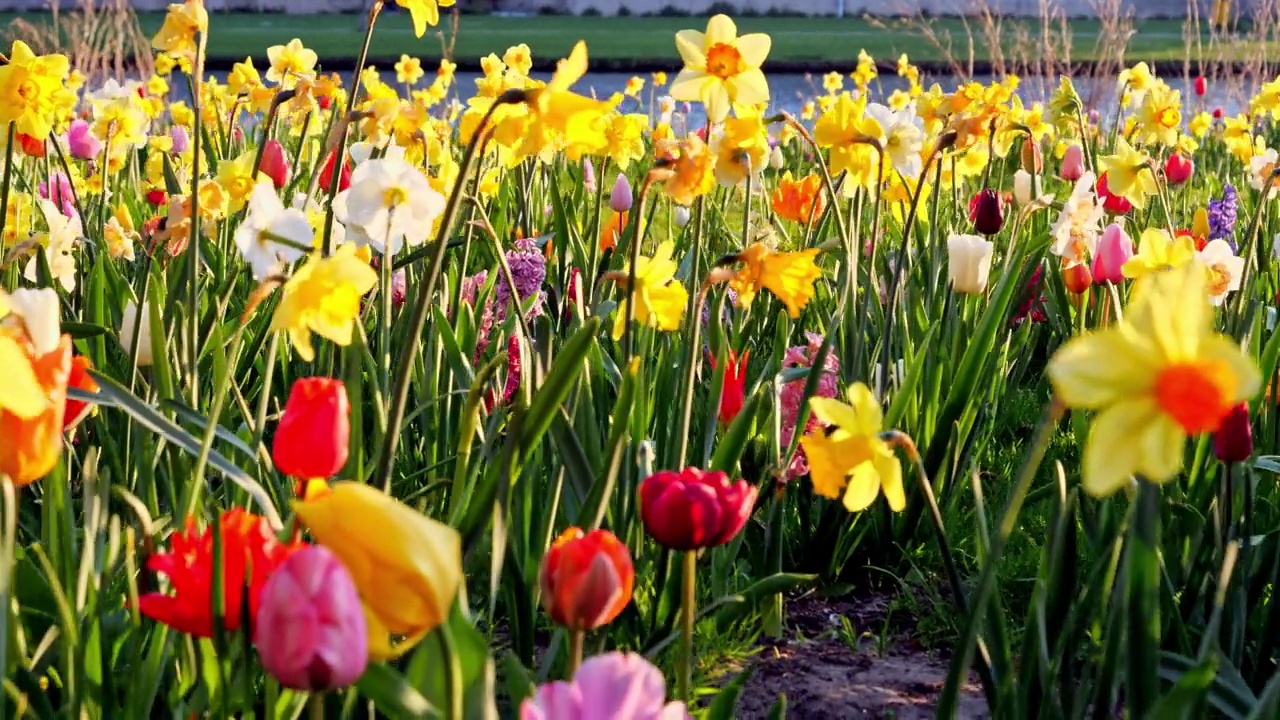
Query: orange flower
x=586, y=579
x=77, y=410
x=31, y=405
x=612, y=229
x=799, y=200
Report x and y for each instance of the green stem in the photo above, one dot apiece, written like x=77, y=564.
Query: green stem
x=4, y=188
x=689, y=608
x=628, y=332
x=315, y=706
x=193, y=243
x=576, y=638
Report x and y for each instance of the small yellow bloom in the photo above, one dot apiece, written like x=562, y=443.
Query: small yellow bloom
x=832, y=82
x=519, y=58
x=692, y=165
x=409, y=70
x=1157, y=251
x=788, y=275
x=659, y=79
x=1157, y=377
x=720, y=68
x=634, y=87
x=236, y=178
x=1129, y=173
x=1200, y=124
x=290, y=62
x=848, y=455
x=555, y=110
x=323, y=297
x=660, y=299
x=406, y=566
x=424, y=13
x=177, y=36
x=742, y=149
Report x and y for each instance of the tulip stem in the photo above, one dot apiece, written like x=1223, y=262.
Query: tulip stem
x=575, y=653
x=690, y=608
x=315, y=706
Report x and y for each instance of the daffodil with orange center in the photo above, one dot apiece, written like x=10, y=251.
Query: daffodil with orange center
x=182, y=23
x=1157, y=251
x=691, y=163
x=1159, y=376
x=788, y=275
x=556, y=113
x=721, y=68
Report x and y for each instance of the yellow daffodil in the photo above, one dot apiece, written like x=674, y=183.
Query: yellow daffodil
x=323, y=297
x=409, y=70
x=290, y=62
x=865, y=72
x=624, y=138
x=236, y=178
x=424, y=13
x=691, y=163
x=406, y=566
x=1160, y=116
x=848, y=456
x=788, y=275
x=1129, y=173
x=1157, y=251
x=177, y=36
x=659, y=298
x=721, y=68
x=519, y=58
x=32, y=94
x=1137, y=80
x=554, y=109
x=742, y=149
x=1158, y=376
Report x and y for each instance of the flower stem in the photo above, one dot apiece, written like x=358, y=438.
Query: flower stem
x=575, y=653
x=315, y=706
x=689, y=608
x=4, y=189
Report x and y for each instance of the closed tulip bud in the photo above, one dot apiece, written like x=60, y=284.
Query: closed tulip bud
x=986, y=212
x=326, y=175
x=681, y=215
x=777, y=160
x=131, y=326
x=311, y=632
x=620, y=199
x=399, y=287
x=1178, y=169
x=311, y=440
x=969, y=263
x=76, y=410
x=274, y=164
x=1023, y=184
x=1072, y=163
x=586, y=579
x=607, y=686
x=1201, y=86
x=1032, y=160
x=588, y=175
x=1114, y=250
x=732, y=393
x=1218, y=113
x=1077, y=278
x=181, y=139
x=692, y=509
x=1233, y=442
x=157, y=197
x=406, y=566
x=81, y=141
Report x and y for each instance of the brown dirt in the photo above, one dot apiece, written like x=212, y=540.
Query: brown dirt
x=823, y=678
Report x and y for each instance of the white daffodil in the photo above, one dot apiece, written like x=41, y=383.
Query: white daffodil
x=1224, y=268
x=390, y=204
x=271, y=233
x=903, y=137
x=1076, y=231
x=58, y=245
x=1260, y=168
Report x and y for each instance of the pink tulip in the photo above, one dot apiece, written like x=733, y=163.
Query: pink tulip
x=620, y=199
x=1073, y=163
x=311, y=631
x=274, y=164
x=58, y=191
x=181, y=140
x=1114, y=250
x=588, y=175
x=613, y=685
x=84, y=145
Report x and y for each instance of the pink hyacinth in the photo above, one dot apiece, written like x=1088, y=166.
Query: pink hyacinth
x=793, y=394
x=311, y=631
x=608, y=686
x=471, y=287
x=58, y=191
x=84, y=145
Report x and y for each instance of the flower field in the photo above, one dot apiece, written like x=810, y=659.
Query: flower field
x=376, y=395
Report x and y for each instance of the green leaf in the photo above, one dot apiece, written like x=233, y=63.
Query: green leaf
x=1227, y=694
x=455, y=646
x=722, y=708
x=779, y=709
x=1187, y=692
x=759, y=590
x=559, y=382
x=597, y=502
x=735, y=439
x=392, y=695
x=519, y=681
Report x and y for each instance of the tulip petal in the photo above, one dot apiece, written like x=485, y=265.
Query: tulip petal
x=21, y=393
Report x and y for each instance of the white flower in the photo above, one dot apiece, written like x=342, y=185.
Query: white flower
x=681, y=215
x=1275, y=247
x=1260, y=169
x=38, y=309
x=1023, y=193
x=1076, y=231
x=1224, y=269
x=903, y=137
x=390, y=203
x=776, y=159
x=969, y=263
x=129, y=327
x=361, y=151
x=272, y=233
x=58, y=245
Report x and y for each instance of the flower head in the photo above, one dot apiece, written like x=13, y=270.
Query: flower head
x=848, y=457
x=613, y=685
x=177, y=36
x=424, y=13
x=323, y=297
x=586, y=579
x=1129, y=174
x=790, y=276
x=691, y=163
x=721, y=68
x=1157, y=251
x=35, y=359
x=32, y=91
x=692, y=509
x=799, y=201
x=659, y=298
x=1222, y=213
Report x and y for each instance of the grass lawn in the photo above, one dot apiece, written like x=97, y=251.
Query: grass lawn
x=643, y=40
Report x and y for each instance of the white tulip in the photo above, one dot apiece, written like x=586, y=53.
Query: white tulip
x=128, y=328
x=681, y=214
x=1023, y=193
x=969, y=263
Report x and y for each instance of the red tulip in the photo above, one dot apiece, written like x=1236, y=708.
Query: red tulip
x=31, y=147
x=1217, y=113
x=1077, y=278
x=1178, y=169
x=733, y=392
x=311, y=440
x=694, y=509
x=274, y=165
x=157, y=197
x=1201, y=86
x=1233, y=442
x=79, y=378
x=586, y=579
x=986, y=212
x=1113, y=204
x=250, y=553
x=326, y=175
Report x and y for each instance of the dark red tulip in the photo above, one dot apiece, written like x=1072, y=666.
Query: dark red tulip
x=315, y=429
x=326, y=175
x=1178, y=169
x=274, y=164
x=1201, y=86
x=1233, y=442
x=986, y=212
x=1113, y=204
x=693, y=509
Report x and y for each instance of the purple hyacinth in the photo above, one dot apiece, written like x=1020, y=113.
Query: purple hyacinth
x=1222, y=215
x=528, y=270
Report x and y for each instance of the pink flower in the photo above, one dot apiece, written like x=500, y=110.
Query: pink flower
x=620, y=199
x=1114, y=250
x=58, y=191
x=82, y=142
x=588, y=175
x=608, y=686
x=793, y=393
x=181, y=140
x=311, y=631
x=1072, y=163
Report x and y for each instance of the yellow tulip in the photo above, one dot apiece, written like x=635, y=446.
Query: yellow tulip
x=406, y=566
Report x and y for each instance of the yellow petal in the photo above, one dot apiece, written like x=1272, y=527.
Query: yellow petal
x=833, y=412
x=1100, y=368
x=890, y=471
x=571, y=69
x=864, y=486
x=870, y=419
x=20, y=392
x=691, y=45
x=754, y=48
x=830, y=462
x=749, y=87
x=1119, y=446
x=720, y=29
x=1245, y=370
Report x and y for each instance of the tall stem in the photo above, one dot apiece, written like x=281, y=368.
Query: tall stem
x=4, y=188
x=193, y=243
x=575, y=653
x=628, y=333
x=689, y=608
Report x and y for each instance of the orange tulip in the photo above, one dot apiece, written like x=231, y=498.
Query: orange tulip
x=32, y=403
x=77, y=410
x=586, y=579
x=799, y=200
x=611, y=230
